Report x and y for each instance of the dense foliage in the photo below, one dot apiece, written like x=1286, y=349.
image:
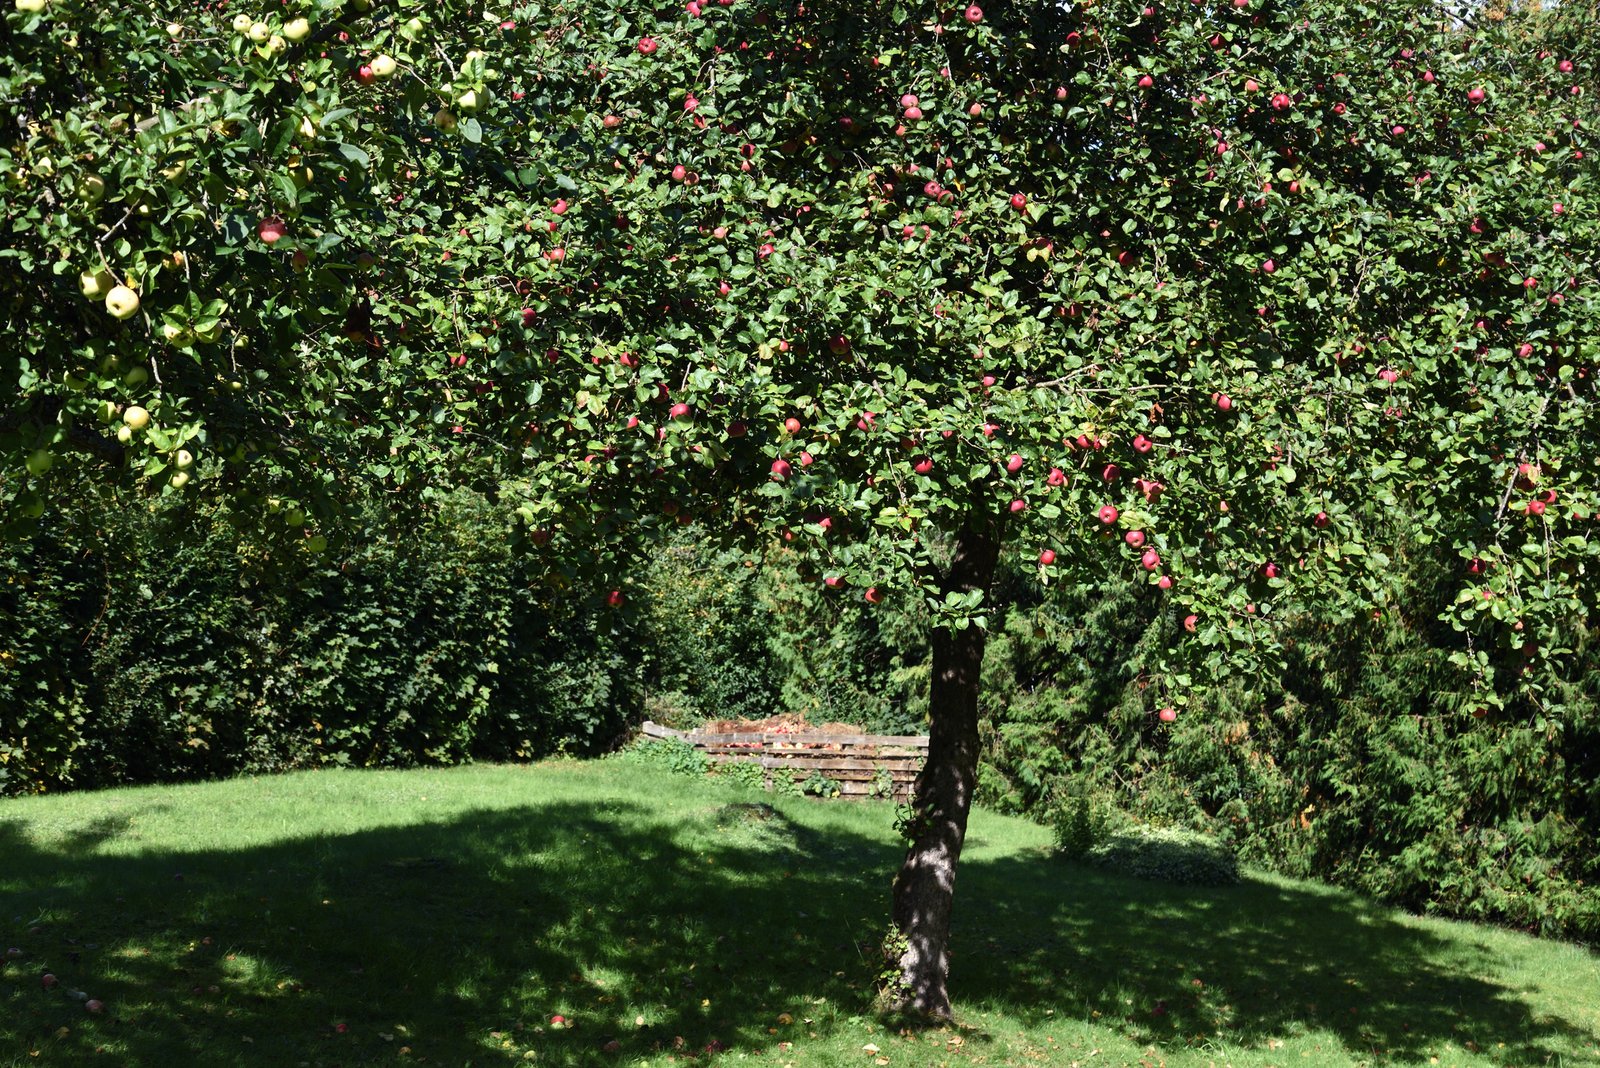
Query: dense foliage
x=146, y=646
x=1289, y=262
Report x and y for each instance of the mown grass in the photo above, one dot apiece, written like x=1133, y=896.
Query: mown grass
x=443, y=917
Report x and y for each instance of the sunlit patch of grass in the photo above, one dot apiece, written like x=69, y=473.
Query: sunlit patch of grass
x=446, y=917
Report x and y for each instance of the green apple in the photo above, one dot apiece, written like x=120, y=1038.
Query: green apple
x=136, y=377
x=124, y=434
x=184, y=459
x=31, y=7
x=242, y=23
x=96, y=284
x=317, y=543
x=445, y=120
x=40, y=461
x=135, y=417
x=179, y=479
x=177, y=335
x=383, y=66
x=259, y=32
x=469, y=100
x=412, y=29
x=296, y=29
x=106, y=411
x=91, y=189
x=122, y=302
x=31, y=504
x=174, y=29
x=275, y=45
x=76, y=383
x=295, y=517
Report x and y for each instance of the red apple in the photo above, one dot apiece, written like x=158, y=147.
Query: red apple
x=1167, y=715
x=1134, y=538
x=614, y=598
x=1142, y=443
x=1320, y=520
x=679, y=411
x=1150, y=560
x=833, y=582
x=1047, y=557
x=1189, y=622
x=1223, y=402
x=1476, y=95
x=792, y=425
x=780, y=470
x=271, y=230
x=973, y=13
x=922, y=466
x=1108, y=514
x=873, y=595
x=1018, y=201
x=1014, y=462
x=1056, y=477
x=806, y=460
x=647, y=46
x=1165, y=582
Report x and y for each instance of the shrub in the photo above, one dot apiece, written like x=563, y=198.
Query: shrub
x=1168, y=854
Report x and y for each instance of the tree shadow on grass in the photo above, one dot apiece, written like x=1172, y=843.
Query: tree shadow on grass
x=457, y=941
x=1246, y=963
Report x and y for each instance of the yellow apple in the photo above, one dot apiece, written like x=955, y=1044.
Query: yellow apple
x=259, y=32
x=296, y=29
x=135, y=417
x=96, y=284
x=122, y=302
x=242, y=23
x=383, y=66
x=179, y=479
x=31, y=7
x=184, y=459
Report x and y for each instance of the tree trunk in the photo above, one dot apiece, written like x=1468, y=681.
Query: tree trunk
x=924, y=891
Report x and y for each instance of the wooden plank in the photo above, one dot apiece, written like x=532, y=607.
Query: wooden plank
x=908, y=741
x=655, y=730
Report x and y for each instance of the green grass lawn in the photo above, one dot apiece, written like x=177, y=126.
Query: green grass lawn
x=443, y=917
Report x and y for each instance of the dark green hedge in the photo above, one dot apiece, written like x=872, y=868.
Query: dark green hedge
x=140, y=646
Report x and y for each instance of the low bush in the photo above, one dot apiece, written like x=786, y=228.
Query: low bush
x=1168, y=854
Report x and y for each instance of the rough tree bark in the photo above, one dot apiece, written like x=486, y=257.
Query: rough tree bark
x=924, y=890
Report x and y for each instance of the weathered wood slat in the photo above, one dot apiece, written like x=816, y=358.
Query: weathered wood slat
x=862, y=765
x=911, y=741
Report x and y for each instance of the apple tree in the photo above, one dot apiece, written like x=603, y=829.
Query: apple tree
x=1197, y=292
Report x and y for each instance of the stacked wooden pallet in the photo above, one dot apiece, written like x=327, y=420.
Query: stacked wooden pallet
x=863, y=765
